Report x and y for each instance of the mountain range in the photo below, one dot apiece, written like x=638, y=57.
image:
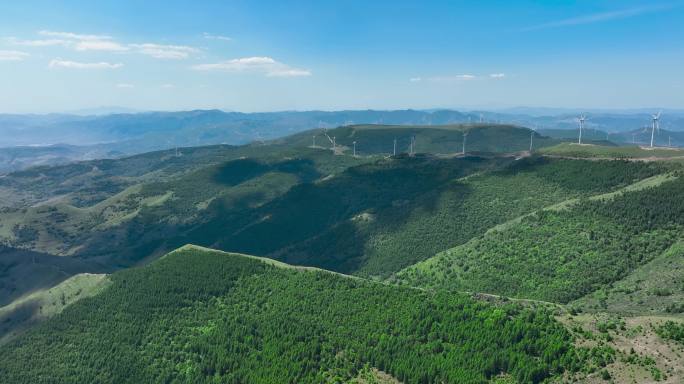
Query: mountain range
x=27, y=140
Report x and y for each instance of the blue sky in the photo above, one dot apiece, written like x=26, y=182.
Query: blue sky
x=299, y=55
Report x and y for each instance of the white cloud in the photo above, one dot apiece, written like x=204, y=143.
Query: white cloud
x=598, y=17
x=125, y=85
x=216, y=37
x=497, y=75
x=83, y=42
x=236, y=65
x=259, y=64
x=415, y=79
x=448, y=79
x=100, y=45
x=12, y=55
x=73, y=36
x=288, y=73
x=159, y=51
x=168, y=86
x=37, y=43
x=59, y=63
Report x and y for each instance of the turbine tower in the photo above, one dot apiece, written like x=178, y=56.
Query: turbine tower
x=531, y=136
x=655, y=126
x=582, y=119
x=354, y=148
x=465, y=134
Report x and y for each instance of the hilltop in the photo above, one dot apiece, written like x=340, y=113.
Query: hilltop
x=434, y=139
x=611, y=151
x=205, y=315
x=532, y=232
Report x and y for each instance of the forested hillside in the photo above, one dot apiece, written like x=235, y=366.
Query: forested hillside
x=564, y=253
x=597, y=235
x=364, y=215
x=444, y=139
x=204, y=316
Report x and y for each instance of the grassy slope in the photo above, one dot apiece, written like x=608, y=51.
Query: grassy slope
x=71, y=209
x=378, y=139
x=654, y=288
x=23, y=272
x=559, y=254
x=204, y=315
x=86, y=183
x=634, y=352
x=40, y=305
x=598, y=151
x=63, y=229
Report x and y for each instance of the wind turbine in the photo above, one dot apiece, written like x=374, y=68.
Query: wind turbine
x=465, y=134
x=655, y=126
x=354, y=148
x=531, y=136
x=582, y=119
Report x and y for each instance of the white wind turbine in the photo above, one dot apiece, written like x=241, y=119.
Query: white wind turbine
x=582, y=119
x=656, y=126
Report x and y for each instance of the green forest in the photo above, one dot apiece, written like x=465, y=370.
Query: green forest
x=485, y=267
x=205, y=316
x=563, y=254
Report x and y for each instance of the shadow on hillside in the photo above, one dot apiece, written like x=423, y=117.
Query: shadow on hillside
x=22, y=271
x=18, y=318
x=315, y=224
x=238, y=171
x=320, y=223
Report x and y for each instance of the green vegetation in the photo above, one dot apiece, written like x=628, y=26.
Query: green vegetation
x=671, y=331
x=203, y=316
x=23, y=272
x=379, y=139
x=43, y=304
x=654, y=287
x=563, y=254
x=366, y=216
x=604, y=151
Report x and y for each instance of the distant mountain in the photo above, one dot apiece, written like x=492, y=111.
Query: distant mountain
x=112, y=135
x=104, y=110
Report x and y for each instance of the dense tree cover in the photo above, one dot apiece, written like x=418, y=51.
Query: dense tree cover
x=380, y=217
x=371, y=219
x=561, y=255
x=199, y=316
x=671, y=330
x=587, y=176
